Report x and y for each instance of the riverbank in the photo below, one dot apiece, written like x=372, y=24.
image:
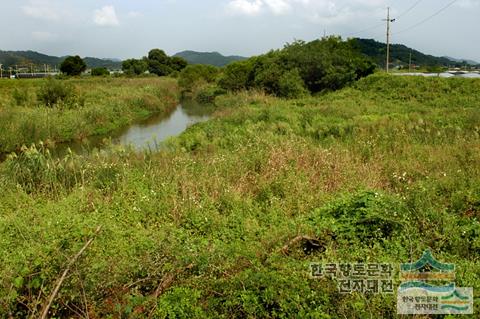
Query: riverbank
x=99, y=106
x=226, y=223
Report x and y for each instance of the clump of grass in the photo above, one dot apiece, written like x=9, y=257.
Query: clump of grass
x=53, y=92
x=20, y=96
x=34, y=169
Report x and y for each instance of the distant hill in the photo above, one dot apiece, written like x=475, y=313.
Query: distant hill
x=463, y=61
x=24, y=58
x=400, y=55
x=211, y=58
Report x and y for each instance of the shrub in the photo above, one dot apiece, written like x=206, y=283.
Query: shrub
x=196, y=75
x=134, y=66
x=180, y=303
x=237, y=76
x=54, y=92
x=291, y=85
x=100, y=72
x=208, y=94
x=20, y=96
x=367, y=217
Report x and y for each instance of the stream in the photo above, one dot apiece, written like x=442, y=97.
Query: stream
x=146, y=135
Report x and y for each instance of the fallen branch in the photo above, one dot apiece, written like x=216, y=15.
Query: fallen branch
x=47, y=306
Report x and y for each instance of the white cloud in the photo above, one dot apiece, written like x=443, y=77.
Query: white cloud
x=106, y=17
x=279, y=7
x=316, y=11
x=245, y=7
x=43, y=36
x=41, y=9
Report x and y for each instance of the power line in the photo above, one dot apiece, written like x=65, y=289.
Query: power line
x=409, y=9
x=381, y=24
x=367, y=29
x=428, y=18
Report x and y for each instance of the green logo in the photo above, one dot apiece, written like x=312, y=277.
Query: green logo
x=417, y=296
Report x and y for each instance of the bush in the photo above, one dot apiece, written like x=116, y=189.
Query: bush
x=100, y=72
x=366, y=217
x=207, y=94
x=20, y=96
x=54, y=92
x=196, y=75
x=134, y=66
x=237, y=76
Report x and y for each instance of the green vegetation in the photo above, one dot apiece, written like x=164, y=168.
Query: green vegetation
x=134, y=66
x=295, y=71
x=55, y=111
x=157, y=62
x=54, y=92
x=198, y=81
x=321, y=65
x=375, y=172
x=73, y=66
x=100, y=72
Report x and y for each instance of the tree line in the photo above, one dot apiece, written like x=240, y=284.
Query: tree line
x=298, y=69
x=157, y=62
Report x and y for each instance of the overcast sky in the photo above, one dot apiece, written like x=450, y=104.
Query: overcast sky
x=129, y=28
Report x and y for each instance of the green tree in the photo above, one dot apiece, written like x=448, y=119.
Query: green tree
x=178, y=63
x=237, y=76
x=73, y=65
x=100, y=72
x=159, y=63
x=134, y=66
x=196, y=75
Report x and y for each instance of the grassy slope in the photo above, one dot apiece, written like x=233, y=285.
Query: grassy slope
x=377, y=173
x=108, y=103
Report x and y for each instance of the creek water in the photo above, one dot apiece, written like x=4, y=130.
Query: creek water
x=144, y=135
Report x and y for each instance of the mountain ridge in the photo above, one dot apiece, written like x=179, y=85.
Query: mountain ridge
x=29, y=57
x=212, y=58
x=400, y=55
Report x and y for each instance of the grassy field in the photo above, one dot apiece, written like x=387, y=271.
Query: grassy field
x=377, y=172
x=97, y=106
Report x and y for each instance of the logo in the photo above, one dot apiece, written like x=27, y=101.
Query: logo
x=417, y=296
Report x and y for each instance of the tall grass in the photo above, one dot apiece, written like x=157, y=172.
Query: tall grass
x=99, y=107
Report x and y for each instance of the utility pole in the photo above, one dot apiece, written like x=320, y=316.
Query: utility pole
x=410, y=63
x=388, y=38
x=1, y=71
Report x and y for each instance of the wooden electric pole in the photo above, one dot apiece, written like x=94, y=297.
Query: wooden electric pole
x=410, y=63
x=388, y=38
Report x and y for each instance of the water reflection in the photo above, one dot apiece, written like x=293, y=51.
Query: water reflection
x=147, y=134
